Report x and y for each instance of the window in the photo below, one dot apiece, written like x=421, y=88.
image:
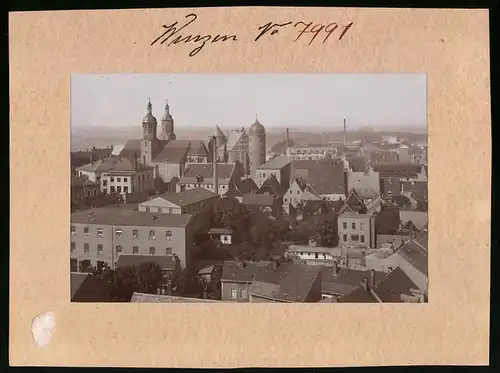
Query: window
x=243, y=294
x=298, y=191
x=112, y=189
x=168, y=251
x=315, y=255
x=353, y=225
x=105, y=191
x=168, y=235
x=286, y=199
x=99, y=249
x=135, y=233
x=152, y=251
x=73, y=230
x=118, y=179
x=152, y=234
x=119, y=189
x=85, y=247
x=100, y=232
x=112, y=179
x=105, y=183
x=135, y=250
x=354, y=237
x=362, y=239
x=119, y=249
x=125, y=180
x=361, y=226
x=291, y=192
x=119, y=233
x=73, y=247
x=74, y=265
x=233, y=293
x=345, y=237
x=344, y=225
x=86, y=231
x=125, y=189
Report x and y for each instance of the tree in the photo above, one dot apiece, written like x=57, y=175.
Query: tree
x=230, y=213
x=244, y=251
x=189, y=282
x=327, y=233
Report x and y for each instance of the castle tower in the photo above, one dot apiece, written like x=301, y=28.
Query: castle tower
x=167, y=125
x=149, y=143
x=256, y=145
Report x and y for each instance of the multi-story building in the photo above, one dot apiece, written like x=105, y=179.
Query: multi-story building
x=280, y=167
x=82, y=189
x=311, y=152
x=357, y=230
x=101, y=235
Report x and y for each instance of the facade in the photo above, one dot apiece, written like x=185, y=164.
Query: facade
x=101, y=235
x=357, y=230
x=314, y=253
x=310, y=152
x=280, y=167
x=236, y=279
x=233, y=147
x=297, y=194
x=256, y=146
x=81, y=189
x=366, y=184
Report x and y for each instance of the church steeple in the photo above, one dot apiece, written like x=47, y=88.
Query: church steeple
x=167, y=124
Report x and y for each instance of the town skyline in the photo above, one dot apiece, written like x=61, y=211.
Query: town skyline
x=389, y=101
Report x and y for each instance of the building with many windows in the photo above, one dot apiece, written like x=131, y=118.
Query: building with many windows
x=357, y=230
x=101, y=235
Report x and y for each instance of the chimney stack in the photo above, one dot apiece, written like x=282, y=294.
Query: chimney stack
x=345, y=131
x=372, y=279
x=287, y=141
x=216, y=177
x=276, y=264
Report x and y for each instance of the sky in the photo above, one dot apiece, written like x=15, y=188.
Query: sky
x=234, y=100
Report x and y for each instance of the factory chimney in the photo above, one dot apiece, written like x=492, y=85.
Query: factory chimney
x=345, y=129
x=287, y=141
x=214, y=166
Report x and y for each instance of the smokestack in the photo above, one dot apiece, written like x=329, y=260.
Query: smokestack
x=287, y=141
x=345, y=130
x=215, y=173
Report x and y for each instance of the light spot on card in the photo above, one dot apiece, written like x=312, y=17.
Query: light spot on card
x=43, y=328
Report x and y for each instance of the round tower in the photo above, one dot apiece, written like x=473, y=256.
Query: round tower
x=256, y=145
x=149, y=140
x=167, y=125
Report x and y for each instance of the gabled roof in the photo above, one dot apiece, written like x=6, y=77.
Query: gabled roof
x=358, y=164
x=234, y=271
x=224, y=170
x=387, y=221
x=166, y=262
x=187, y=197
x=353, y=203
x=397, y=169
x=415, y=255
x=272, y=185
x=345, y=281
x=320, y=207
x=389, y=289
x=172, y=152
x=392, y=185
x=233, y=138
x=289, y=282
x=326, y=176
x=245, y=186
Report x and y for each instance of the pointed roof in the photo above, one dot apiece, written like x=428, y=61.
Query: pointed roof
x=166, y=115
x=218, y=132
x=271, y=184
x=149, y=118
x=256, y=128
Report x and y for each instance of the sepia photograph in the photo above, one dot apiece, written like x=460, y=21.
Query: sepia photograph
x=249, y=188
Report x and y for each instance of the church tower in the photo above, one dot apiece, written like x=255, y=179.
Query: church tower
x=149, y=143
x=256, y=145
x=167, y=125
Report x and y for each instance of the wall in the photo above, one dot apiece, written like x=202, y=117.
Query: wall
x=226, y=288
x=257, y=149
x=333, y=197
x=419, y=218
x=366, y=185
x=178, y=243
x=366, y=231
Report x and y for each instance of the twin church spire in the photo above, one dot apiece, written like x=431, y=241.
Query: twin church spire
x=166, y=131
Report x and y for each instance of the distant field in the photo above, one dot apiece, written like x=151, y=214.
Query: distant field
x=86, y=138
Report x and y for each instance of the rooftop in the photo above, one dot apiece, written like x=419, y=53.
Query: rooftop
x=89, y=288
x=153, y=298
x=186, y=197
x=276, y=163
x=234, y=271
x=128, y=217
x=326, y=176
x=258, y=199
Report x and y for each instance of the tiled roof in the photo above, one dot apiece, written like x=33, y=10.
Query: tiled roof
x=387, y=221
x=288, y=282
x=153, y=298
x=131, y=147
x=320, y=207
x=345, y=281
x=358, y=164
x=388, y=289
x=188, y=197
x=391, y=184
x=197, y=148
x=205, y=170
x=272, y=185
x=238, y=188
x=395, y=169
x=127, y=217
x=173, y=151
x=418, y=188
x=326, y=176
x=234, y=271
x=414, y=254
x=164, y=261
x=220, y=231
x=89, y=288
x=258, y=199
x=101, y=165
x=276, y=163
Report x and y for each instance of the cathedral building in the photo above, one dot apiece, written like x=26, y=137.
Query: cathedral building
x=161, y=150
